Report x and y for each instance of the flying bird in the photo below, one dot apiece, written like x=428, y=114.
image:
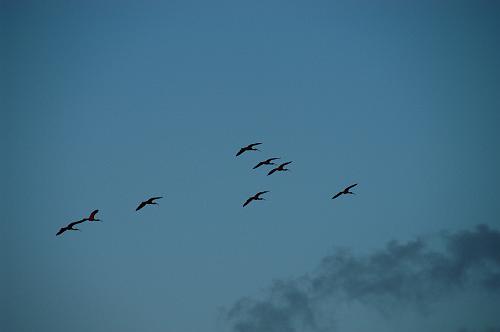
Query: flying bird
x=149, y=201
x=249, y=147
x=345, y=191
x=70, y=227
x=255, y=197
x=280, y=168
x=265, y=162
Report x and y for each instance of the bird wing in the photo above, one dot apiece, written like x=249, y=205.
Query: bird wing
x=75, y=223
x=351, y=186
x=271, y=159
x=259, y=164
x=337, y=195
x=247, y=201
x=150, y=200
x=241, y=151
x=272, y=171
x=92, y=215
x=252, y=145
x=284, y=164
x=143, y=204
x=61, y=230
x=261, y=192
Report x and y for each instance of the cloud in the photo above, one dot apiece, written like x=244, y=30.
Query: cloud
x=413, y=274
x=288, y=307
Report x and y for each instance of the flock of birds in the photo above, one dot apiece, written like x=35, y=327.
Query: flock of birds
x=256, y=197
x=91, y=217
x=279, y=168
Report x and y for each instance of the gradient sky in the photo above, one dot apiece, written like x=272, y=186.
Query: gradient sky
x=106, y=103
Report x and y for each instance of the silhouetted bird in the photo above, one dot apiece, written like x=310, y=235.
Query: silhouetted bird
x=280, y=168
x=92, y=216
x=249, y=147
x=70, y=227
x=255, y=197
x=266, y=162
x=345, y=191
x=149, y=201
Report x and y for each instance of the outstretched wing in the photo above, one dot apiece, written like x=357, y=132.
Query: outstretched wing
x=272, y=171
x=252, y=145
x=287, y=163
x=92, y=215
x=271, y=159
x=351, y=186
x=337, y=195
x=61, y=230
x=143, y=204
x=259, y=164
x=247, y=201
x=150, y=200
x=241, y=151
x=261, y=192
x=75, y=223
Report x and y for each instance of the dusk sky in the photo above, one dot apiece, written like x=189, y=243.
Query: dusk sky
x=107, y=103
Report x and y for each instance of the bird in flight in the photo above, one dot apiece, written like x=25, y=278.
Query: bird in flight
x=255, y=197
x=92, y=216
x=70, y=226
x=266, y=162
x=149, y=201
x=249, y=147
x=345, y=191
x=280, y=168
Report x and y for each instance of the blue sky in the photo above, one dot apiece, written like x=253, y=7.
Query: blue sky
x=107, y=103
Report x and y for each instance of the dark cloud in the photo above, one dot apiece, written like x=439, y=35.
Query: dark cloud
x=415, y=274
x=288, y=307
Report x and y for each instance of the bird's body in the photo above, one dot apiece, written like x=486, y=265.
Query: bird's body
x=266, y=162
x=345, y=191
x=70, y=227
x=249, y=147
x=255, y=197
x=149, y=201
x=280, y=168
